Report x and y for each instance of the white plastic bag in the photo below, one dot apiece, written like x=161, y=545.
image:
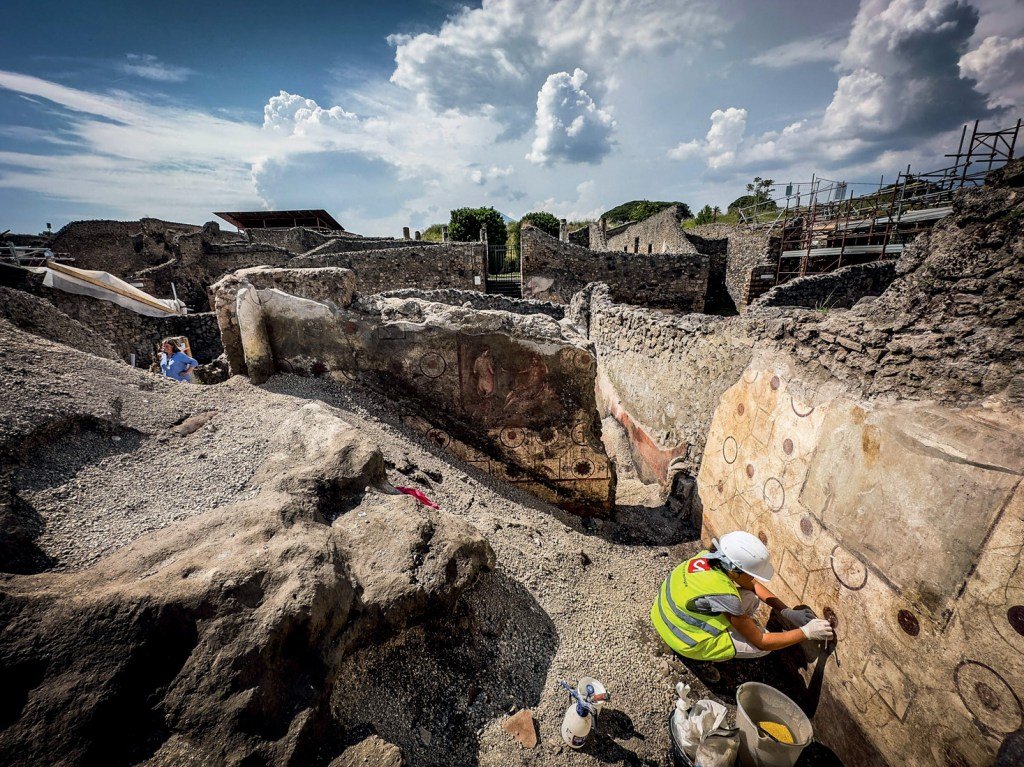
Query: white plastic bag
x=696, y=723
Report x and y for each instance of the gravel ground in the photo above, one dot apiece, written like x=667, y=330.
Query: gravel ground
x=98, y=491
x=570, y=598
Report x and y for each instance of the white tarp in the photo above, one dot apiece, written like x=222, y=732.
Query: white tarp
x=106, y=287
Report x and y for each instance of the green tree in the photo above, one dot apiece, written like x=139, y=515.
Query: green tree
x=432, y=233
x=705, y=215
x=759, y=193
x=465, y=225
x=639, y=210
x=543, y=220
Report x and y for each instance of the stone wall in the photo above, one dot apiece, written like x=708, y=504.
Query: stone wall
x=840, y=289
x=437, y=266
x=661, y=233
x=125, y=331
x=556, y=271
x=661, y=376
x=352, y=243
x=511, y=394
x=485, y=301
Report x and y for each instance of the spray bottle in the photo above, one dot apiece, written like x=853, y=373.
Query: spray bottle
x=579, y=718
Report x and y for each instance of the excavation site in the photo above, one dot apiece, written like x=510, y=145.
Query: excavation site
x=654, y=491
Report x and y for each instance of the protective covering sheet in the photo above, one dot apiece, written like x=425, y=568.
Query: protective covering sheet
x=106, y=287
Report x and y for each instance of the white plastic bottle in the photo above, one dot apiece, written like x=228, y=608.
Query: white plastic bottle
x=576, y=725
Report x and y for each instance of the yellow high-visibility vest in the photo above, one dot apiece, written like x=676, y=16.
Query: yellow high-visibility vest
x=689, y=633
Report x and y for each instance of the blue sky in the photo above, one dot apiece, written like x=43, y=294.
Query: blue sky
x=391, y=113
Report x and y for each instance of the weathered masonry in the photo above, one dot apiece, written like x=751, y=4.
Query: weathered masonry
x=510, y=392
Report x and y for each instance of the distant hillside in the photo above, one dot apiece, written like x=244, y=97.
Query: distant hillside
x=638, y=210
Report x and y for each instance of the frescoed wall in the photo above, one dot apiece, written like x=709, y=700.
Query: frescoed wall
x=903, y=525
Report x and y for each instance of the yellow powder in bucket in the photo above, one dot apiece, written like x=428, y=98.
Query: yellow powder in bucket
x=778, y=731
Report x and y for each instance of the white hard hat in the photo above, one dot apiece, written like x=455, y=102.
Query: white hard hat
x=745, y=552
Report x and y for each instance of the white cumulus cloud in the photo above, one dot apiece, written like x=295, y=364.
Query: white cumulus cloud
x=721, y=142
x=997, y=65
x=569, y=126
x=495, y=57
x=290, y=113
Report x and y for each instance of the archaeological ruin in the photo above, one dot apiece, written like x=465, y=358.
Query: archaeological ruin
x=398, y=507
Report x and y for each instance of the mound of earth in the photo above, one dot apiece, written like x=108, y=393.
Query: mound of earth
x=214, y=636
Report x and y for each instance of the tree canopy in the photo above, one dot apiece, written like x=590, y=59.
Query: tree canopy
x=758, y=193
x=466, y=223
x=432, y=233
x=638, y=210
x=543, y=220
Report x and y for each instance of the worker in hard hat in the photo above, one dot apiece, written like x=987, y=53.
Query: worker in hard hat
x=705, y=608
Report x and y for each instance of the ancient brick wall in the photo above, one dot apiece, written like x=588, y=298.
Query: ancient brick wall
x=660, y=233
x=556, y=271
x=447, y=266
x=840, y=289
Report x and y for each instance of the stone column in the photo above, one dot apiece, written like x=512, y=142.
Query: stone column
x=405, y=233
x=563, y=230
x=444, y=233
x=416, y=235
x=259, y=359
x=483, y=234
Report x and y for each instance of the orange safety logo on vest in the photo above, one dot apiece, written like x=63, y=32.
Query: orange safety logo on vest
x=699, y=565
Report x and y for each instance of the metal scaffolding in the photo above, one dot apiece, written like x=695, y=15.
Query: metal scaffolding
x=819, y=227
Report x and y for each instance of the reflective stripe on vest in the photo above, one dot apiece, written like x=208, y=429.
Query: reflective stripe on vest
x=684, y=616
x=678, y=633
x=693, y=635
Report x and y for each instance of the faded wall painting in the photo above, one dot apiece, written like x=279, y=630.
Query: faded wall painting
x=904, y=526
x=511, y=394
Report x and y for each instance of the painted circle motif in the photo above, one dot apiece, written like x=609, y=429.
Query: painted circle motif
x=803, y=411
x=775, y=382
x=763, y=537
x=433, y=365
x=512, y=437
x=439, y=437
x=774, y=494
x=750, y=470
x=787, y=446
x=730, y=450
x=579, y=434
x=849, y=571
x=908, y=622
x=807, y=527
x=547, y=435
x=1015, y=615
x=583, y=468
x=995, y=706
x=741, y=409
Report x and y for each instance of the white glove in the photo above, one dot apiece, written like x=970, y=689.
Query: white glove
x=798, y=616
x=819, y=630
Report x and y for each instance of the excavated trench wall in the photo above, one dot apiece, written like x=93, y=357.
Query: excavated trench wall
x=510, y=393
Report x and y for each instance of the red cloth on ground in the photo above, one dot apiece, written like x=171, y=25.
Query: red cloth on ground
x=418, y=495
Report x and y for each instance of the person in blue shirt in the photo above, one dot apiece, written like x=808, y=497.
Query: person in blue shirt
x=175, y=364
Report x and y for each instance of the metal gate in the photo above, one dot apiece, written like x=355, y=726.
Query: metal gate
x=504, y=270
